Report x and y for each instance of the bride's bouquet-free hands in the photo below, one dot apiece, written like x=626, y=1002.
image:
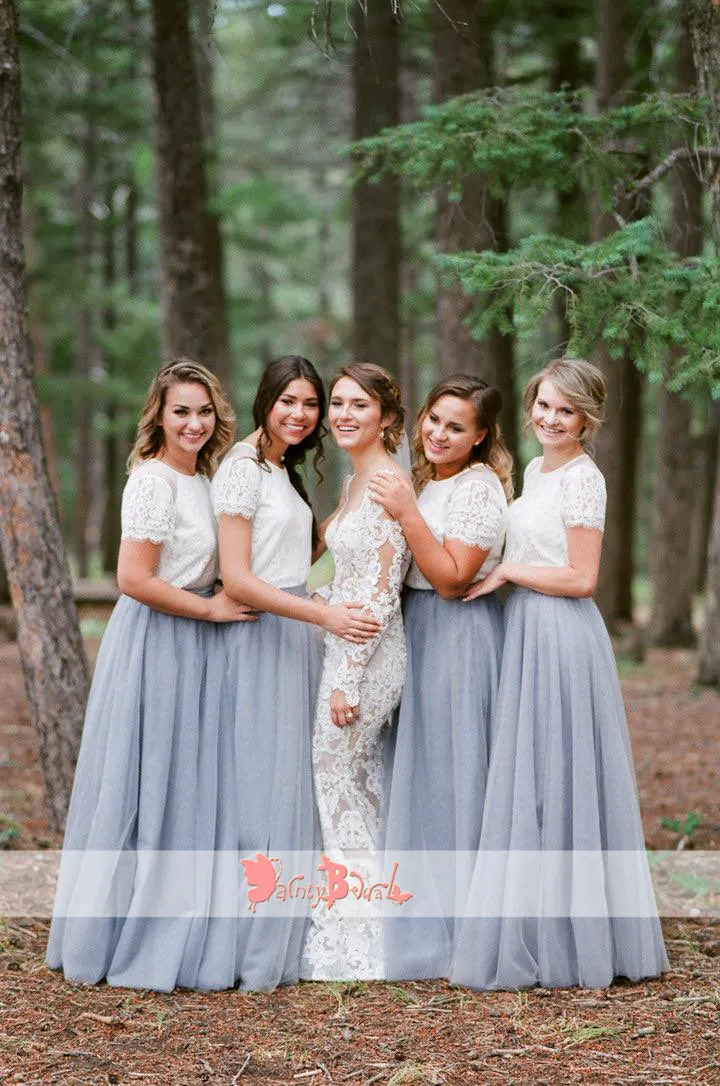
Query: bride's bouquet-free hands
x=341, y=713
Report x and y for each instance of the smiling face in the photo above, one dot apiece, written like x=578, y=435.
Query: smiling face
x=355, y=416
x=294, y=415
x=187, y=419
x=449, y=431
x=556, y=423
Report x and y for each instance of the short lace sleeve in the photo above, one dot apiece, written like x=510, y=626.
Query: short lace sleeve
x=474, y=517
x=148, y=508
x=236, y=488
x=583, y=499
x=532, y=469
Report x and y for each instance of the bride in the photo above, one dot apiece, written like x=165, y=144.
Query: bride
x=361, y=684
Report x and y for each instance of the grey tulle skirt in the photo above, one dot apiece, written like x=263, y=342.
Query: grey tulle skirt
x=274, y=670
x=561, y=893
x=155, y=779
x=440, y=769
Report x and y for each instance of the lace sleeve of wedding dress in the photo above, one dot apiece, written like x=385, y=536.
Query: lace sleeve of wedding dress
x=382, y=581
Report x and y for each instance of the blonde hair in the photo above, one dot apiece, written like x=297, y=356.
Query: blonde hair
x=383, y=387
x=583, y=386
x=150, y=439
x=487, y=402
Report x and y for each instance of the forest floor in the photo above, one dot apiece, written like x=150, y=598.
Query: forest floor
x=659, y=1033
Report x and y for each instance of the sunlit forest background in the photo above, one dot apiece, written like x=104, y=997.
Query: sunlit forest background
x=574, y=229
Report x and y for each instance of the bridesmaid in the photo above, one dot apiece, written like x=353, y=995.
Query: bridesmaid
x=149, y=779
x=562, y=893
x=455, y=529
x=266, y=531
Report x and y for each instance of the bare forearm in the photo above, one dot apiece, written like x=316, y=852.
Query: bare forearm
x=164, y=597
x=434, y=561
x=551, y=580
x=258, y=594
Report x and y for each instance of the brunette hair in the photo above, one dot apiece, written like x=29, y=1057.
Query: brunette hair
x=150, y=438
x=582, y=384
x=487, y=402
x=275, y=379
x=381, y=386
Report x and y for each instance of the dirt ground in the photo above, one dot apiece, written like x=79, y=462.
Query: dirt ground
x=658, y=1033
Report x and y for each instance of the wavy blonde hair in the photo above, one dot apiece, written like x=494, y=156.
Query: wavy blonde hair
x=381, y=386
x=487, y=402
x=150, y=439
x=582, y=385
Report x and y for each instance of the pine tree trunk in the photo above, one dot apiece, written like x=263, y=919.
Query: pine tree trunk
x=112, y=454
x=704, y=16
x=4, y=586
x=706, y=466
x=673, y=507
x=84, y=344
x=463, y=62
x=709, y=671
x=194, y=323
x=376, y=245
x=571, y=212
x=408, y=375
x=131, y=225
x=32, y=546
x=205, y=58
x=617, y=444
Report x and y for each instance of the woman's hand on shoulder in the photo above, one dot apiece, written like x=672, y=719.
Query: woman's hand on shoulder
x=394, y=491
x=342, y=714
x=222, y=608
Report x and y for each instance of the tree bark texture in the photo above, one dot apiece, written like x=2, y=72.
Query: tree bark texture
x=464, y=62
x=705, y=468
x=376, y=245
x=40, y=587
x=704, y=20
x=112, y=444
x=672, y=569
x=704, y=16
x=617, y=444
x=194, y=320
x=205, y=58
x=4, y=587
x=84, y=341
x=709, y=671
x=571, y=214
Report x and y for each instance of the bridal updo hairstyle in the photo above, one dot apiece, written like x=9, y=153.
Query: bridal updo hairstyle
x=150, y=438
x=582, y=385
x=381, y=386
x=487, y=402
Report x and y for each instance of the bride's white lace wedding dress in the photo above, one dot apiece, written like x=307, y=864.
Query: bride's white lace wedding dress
x=371, y=558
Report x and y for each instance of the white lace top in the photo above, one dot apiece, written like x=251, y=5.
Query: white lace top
x=572, y=496
x=470, y=507
x=164, y=506
x=281, y=520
